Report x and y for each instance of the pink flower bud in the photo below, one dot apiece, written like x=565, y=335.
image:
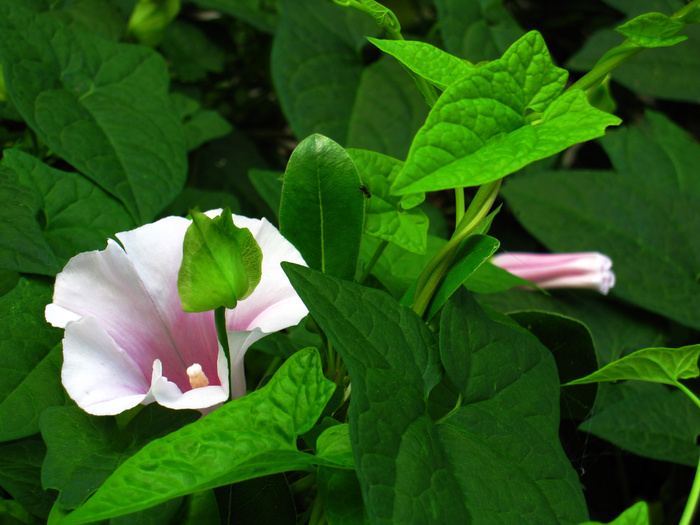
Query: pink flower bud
x=560, y=270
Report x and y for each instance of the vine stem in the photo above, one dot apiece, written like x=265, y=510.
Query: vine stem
x=370, y=265
x=618, y=55
x=691, y=505
x=459, y=205
x=435, y=271
x=694, y=496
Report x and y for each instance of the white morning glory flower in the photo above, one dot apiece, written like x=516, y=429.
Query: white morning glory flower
x=127, y=340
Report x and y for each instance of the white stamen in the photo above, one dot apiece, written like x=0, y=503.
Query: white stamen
x=197, y=376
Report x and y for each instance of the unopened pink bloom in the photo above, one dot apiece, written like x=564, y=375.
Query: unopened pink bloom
x=127, y=340
x=561, y=270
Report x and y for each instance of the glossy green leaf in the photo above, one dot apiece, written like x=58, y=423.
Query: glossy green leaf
x=643, y=215
x=201, y=125
x=322, y=208
x=30, y=359
x=100, y=17
x=390, y=353
x=474, y=251
x=658, y=365
x=8, y=281
x=334, y=444
x=431, y=63
x=78, y=216
x=317, y=65
x=653, y=30
x=648, y=419
x=205, y=125
x=478, y=123
x=672, y=72
x=248, y=437
x=13, y=513
x=392, y=360
x=101, y=106
x=381, y=14
x=342, y=497
x=616, y=329
x=324, y=87
x=476, y=30
x=84, y=450
x=221, y=263
x=637, y=514
x=20, y=474
x=23, y=247
x=385, y=217
x=509, y=415
x=572, y=346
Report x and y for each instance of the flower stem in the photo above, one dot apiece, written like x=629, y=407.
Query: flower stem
x=687, y=392
x=694, y=496
x=692, y=504
x=317, y=517
x=459, y=205
x=220, y=322
x=435, y=271
x=370, y=265
x=303, y=484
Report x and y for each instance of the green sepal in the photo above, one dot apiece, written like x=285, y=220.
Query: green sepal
x=221, y=264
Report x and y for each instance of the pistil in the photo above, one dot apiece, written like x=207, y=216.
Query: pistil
x=197, y=376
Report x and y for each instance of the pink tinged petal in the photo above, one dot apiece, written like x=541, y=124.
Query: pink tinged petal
x=155, y=251
x=99, y=376
x=238, y=344
x=563, y=270
x=105, y=286
x=274, y=304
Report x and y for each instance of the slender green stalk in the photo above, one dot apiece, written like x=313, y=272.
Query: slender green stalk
x=692, y=504
x=317, y=517
x=688, y=393
x=303, y=484
x=435, y=271
x=459, y=205
x=619, y=55
x=220, y=322
x=694, y=496
x=370, y=265
x=686, y=9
